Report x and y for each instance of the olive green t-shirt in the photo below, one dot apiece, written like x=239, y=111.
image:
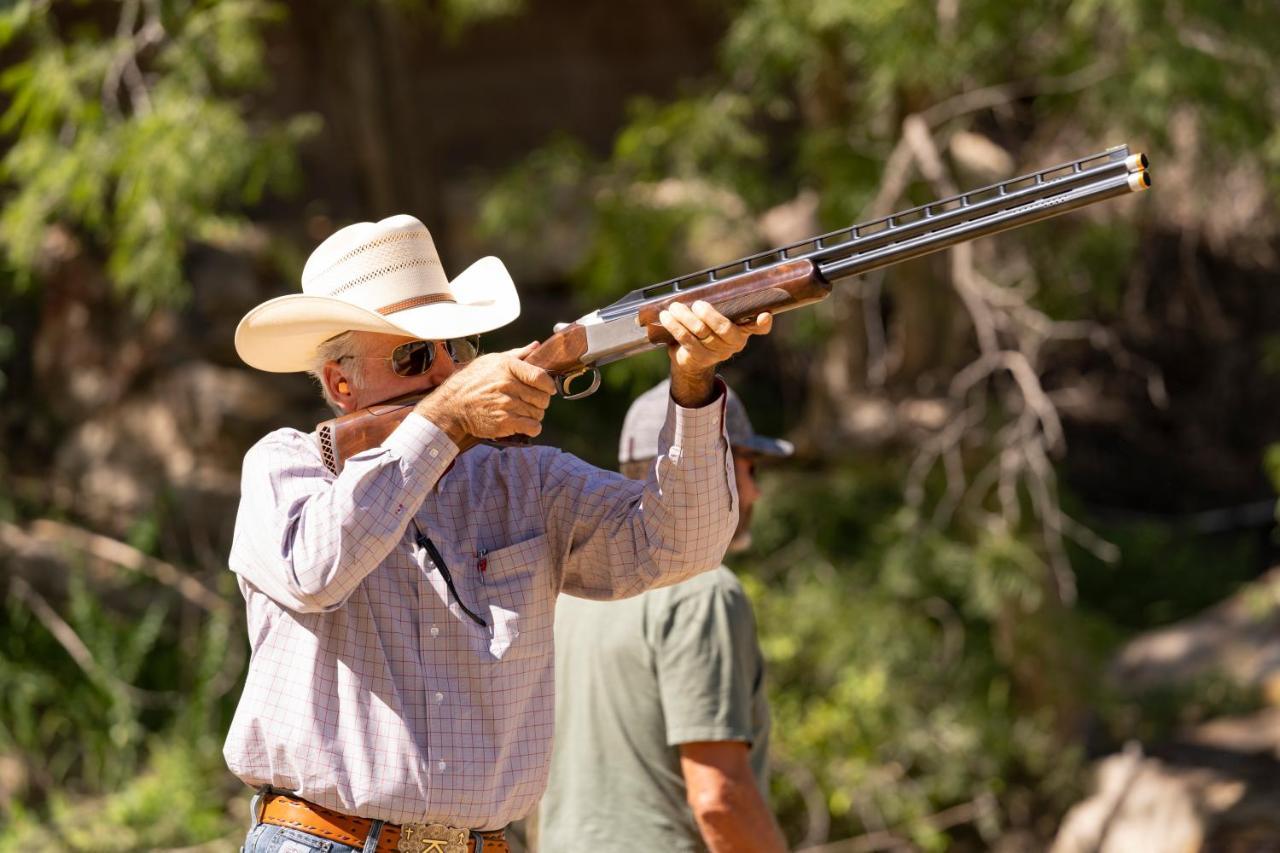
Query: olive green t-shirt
x=634, y=680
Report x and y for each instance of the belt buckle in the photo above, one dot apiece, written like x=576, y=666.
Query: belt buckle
x=432, y=838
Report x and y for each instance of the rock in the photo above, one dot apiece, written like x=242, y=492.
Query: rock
x=1216, y=786
x=1188, y=798
x=1236, y=639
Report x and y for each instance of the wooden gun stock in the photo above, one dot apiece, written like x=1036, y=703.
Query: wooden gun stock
x=343, y=437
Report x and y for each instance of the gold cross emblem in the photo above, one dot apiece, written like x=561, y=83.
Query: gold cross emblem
x=432, y=838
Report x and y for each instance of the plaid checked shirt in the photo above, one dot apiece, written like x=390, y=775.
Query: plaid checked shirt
x=370, y=691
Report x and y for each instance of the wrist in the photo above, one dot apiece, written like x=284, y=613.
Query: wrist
x=693, y=388
x=437, y=410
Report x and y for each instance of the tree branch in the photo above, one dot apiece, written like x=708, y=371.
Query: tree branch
x=47, y=534
x=79, y=652
x=890, y=840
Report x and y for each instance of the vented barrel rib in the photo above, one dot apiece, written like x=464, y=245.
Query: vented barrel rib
x=931, y=227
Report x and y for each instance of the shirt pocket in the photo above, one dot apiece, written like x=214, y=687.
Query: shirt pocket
x=516, y=591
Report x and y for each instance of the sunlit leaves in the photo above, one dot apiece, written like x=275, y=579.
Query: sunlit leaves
x=137, y=142
x=455, y=17
x=902, y=653
x=710, y=138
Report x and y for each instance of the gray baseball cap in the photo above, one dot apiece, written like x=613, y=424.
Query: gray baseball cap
x=648, y=413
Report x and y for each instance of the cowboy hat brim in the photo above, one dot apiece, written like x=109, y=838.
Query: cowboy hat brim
x=283, y=334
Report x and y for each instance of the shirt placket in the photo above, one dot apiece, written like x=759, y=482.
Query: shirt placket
x=438, y=638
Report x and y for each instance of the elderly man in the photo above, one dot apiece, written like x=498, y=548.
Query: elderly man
x=661, y=697
x=399, y=695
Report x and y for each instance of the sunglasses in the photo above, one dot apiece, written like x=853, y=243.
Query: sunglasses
x=416, y=357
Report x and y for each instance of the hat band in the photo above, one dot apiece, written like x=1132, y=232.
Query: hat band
x=415, y=302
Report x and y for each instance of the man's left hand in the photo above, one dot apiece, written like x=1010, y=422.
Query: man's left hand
x=703, y=338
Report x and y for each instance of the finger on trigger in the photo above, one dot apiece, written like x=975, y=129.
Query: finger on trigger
x=535, y=377
x=533, y=396
x=529, y=393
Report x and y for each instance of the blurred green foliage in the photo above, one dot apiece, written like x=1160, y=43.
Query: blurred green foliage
x=811, y=94
x=125, y=738
x=454, y=17
x=136, y=138
x=913, y=666
x=891, y=680
x=169, y=804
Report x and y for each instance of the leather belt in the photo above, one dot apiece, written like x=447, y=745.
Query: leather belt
x=295, y=813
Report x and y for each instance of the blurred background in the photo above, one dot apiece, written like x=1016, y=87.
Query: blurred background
x=1016, y=592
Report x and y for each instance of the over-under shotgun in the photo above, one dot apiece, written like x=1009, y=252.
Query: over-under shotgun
x=784, y=278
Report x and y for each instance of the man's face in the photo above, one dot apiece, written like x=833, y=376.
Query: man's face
x=378, y=381
x=744, y=470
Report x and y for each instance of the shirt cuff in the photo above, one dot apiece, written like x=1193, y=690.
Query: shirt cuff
x=701, y=428
x=425, y=450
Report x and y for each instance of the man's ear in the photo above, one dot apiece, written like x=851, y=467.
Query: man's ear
x=338, y=384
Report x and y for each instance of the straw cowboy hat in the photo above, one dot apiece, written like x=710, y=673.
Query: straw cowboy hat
x=376, y=277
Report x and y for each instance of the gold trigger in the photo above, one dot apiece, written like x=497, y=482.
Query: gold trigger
x=563, y=383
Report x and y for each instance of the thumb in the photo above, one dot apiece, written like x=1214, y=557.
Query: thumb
x=523, y=351
x=762, y=324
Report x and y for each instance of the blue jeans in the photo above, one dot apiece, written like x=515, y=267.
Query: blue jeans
x=267, y=838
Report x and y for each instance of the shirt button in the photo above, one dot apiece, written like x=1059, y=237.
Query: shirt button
x=440, y=765
x=433, y=453
x=435, y=632
x=439, y=696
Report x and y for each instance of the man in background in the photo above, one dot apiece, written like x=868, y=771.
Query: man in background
x=661, y=721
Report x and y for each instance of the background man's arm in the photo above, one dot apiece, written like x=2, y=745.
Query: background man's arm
x=721, y=789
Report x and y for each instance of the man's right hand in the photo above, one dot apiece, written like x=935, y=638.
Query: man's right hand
x=496, y=396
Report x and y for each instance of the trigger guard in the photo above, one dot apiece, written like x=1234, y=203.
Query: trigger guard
x=564, y=382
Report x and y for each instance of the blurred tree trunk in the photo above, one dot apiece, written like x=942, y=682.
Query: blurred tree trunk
x=366, y=67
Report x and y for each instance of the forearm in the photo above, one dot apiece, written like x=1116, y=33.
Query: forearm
x=740, y=820
x=731, y=813
x=693, y=388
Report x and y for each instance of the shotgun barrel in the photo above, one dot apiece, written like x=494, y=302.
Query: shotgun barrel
x=787, y=277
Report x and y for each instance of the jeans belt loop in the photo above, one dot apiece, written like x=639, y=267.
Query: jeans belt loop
x=257, y=804
x=375, y=834
x=479, y=841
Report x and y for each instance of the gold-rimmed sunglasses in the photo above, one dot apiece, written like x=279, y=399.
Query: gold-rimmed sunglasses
x=416, y=357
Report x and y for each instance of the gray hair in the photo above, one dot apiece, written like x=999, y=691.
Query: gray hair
x=337, y=348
